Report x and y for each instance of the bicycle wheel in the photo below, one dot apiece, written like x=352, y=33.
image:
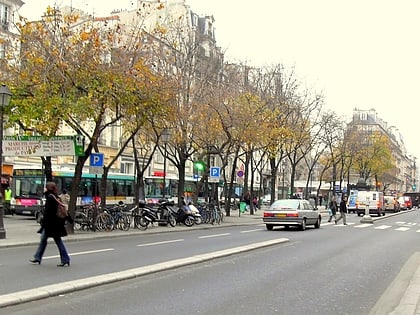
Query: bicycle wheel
x=104, y=222
x=80, y=220
x=124, y=222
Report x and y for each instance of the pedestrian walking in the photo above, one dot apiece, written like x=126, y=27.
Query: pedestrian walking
x=332, y=208
x=7, y=200
x=52, y=226
x=343, y=211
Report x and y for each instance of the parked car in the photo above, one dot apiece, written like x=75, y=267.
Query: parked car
x=391, y=204
x=405, y=202
x=291, y=212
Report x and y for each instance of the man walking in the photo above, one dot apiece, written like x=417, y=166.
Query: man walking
x=343, y=211
x=332, y=207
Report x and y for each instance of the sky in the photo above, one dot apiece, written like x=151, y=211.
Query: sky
x=359, y=54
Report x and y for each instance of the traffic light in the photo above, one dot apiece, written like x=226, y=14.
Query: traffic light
x=199, y=166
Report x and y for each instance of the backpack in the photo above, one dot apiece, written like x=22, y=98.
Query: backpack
x=62, y=211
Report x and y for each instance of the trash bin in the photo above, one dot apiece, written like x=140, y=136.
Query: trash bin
x=242, y=207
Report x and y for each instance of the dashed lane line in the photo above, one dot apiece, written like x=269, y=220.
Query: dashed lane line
x=160, y=243
x=82, y=253
x=250, y=231
x=214, y=235
x=403, y=229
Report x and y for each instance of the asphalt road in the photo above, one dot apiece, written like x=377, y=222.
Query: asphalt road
x=332, y=270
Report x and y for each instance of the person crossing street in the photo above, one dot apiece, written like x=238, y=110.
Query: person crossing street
x=343, y=211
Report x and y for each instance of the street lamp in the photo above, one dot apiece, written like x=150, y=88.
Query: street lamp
x=5, y=96
x=165, y=136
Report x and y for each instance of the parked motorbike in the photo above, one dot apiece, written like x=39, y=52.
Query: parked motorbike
x=161, y=214
x=184, y=216
x=196, y=213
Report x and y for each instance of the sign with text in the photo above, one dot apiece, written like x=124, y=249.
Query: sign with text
x=43, y=146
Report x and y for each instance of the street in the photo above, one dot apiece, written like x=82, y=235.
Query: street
x=334, y=270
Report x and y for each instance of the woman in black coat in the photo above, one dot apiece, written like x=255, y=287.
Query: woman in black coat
x=52, y=226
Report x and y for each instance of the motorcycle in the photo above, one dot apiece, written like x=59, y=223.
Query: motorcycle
x=184, y=216
x=196, y=214
x=148, y=215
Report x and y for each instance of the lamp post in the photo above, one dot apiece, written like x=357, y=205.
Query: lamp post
x=166, y=136
x=5, y=96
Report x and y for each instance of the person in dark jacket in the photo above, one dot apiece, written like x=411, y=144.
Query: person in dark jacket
x=343, y=211
x=52, y=226
x=333, y=209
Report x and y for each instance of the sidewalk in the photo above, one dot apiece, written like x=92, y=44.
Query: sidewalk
x=22, y=230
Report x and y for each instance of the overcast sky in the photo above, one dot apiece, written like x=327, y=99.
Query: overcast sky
x=360, y=54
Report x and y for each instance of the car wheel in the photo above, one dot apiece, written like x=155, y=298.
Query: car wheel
x=303, y=225
x=269, y=227
x=317, y=225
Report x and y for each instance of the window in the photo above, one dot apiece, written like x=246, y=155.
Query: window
x=4, y=16
x=2, y=51
x=363, y=116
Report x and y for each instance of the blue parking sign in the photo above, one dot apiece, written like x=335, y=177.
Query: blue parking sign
x=97, y=159
x=215, y=171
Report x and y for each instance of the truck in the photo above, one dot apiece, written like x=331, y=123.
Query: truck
x=358, y=200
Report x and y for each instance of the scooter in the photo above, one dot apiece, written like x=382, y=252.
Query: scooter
x=184, y=215
x=149, y=215
x=196, y=213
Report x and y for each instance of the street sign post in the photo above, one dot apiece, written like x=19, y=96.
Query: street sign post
x=214, y=174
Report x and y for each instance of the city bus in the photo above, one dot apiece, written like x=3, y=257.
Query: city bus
x=28, y=186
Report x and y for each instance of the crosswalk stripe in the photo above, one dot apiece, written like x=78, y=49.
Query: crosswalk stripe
x=403, y=229
x=382, y=227
x=363, y=225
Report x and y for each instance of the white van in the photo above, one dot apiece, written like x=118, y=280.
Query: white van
x=359, y=199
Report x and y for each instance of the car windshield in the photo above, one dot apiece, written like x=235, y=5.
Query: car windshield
x=286, y=204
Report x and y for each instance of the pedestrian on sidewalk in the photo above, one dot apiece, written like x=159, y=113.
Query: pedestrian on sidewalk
x=343, y=211
x=52, y=226
x=332, y=209
x=7, y=200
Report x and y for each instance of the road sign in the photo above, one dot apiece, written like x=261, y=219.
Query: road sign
x=214, y=179
x=97, y=159
x=214, y=171
x=240, y=173
x=96, y=170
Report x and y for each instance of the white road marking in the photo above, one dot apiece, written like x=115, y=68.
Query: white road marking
x=160, y=243
x=214, y=235
x=382, y=227
x=363, y=225
x=249, y=231
x=403, y=229
x=83, y=253
x=418, y=231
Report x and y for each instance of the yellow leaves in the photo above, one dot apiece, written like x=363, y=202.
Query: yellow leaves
x=84, y=36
